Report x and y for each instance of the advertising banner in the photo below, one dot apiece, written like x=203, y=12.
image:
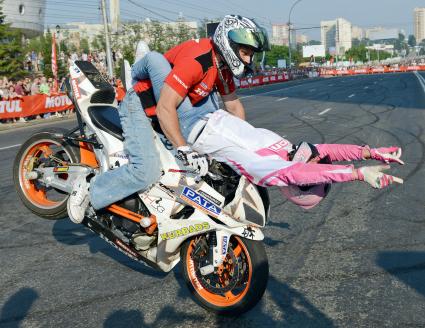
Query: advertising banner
x=34, y=105
x=315, y=51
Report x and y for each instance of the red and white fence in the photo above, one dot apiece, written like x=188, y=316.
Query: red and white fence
x=370, y=70
x=262, y=80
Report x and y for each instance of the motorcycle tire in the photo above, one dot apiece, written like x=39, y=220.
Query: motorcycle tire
x=237, y=285
x=47, y=203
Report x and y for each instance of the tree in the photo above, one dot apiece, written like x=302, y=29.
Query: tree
x=411, y=40
x=84, y=45
x=360, y=53
x=313, y=42
x=11, y=56
x=279, y=52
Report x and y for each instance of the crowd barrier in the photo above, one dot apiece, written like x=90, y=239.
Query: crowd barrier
x=262, y=80
x=34, y=105
x=41, y=104
x=370, y=70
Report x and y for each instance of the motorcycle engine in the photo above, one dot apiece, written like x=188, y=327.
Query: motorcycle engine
x=228, y=180
x=134, y=204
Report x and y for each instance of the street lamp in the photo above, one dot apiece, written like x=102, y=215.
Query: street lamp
x=289, y=32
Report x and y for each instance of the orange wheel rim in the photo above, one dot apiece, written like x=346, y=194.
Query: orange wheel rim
x=229, y=298
x=32, y=192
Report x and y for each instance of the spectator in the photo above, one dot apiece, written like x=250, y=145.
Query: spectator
x=11, y=92
x=44, y=87
x=19, y=89
x=35, y=86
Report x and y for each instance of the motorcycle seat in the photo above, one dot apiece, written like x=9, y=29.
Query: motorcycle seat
x=107, y=119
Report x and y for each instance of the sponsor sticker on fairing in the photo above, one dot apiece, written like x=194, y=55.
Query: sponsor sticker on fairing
x=224, y=245
x=75, y=88
x=195, y=199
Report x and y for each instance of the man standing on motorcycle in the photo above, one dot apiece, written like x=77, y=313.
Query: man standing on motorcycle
x=184, y=81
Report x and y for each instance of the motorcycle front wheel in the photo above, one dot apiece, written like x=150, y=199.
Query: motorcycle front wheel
x=234, y=287
x=43, y=149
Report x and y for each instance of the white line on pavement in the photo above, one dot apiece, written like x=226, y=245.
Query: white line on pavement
x=421, y=80
x=325, y=111
x=352, y=95
x=277, y=90
x=366, y=87
x=280, y=99
x=7, y=147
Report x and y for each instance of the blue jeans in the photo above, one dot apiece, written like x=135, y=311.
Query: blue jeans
x=154, y=66
x=144, y=166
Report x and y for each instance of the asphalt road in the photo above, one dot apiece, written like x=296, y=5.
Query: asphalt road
x=356, y=260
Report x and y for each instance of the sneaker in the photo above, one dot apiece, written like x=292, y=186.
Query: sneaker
x=141, y=50
x=78, y=202
x=125, y=75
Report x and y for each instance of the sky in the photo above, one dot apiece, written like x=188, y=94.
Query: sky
x=306, y=13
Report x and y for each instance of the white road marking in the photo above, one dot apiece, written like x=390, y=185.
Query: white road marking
x=246, y=96
x=280, y=99
x=366, y=87
x=352, y=95
x=325, y=111
x=277, y=90
x=7, y=147
x=330, y=85
x=421, y=80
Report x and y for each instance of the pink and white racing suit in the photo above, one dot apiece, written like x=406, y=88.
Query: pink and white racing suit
x=262, y=155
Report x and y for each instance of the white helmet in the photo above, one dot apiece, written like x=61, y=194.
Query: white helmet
x=233, y=31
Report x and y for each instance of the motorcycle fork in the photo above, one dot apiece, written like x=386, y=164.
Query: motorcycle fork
x=218, y=246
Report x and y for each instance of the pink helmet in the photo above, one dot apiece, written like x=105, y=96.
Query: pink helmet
x=306, y=196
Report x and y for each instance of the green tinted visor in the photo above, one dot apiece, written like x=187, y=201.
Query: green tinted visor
x=256, y=39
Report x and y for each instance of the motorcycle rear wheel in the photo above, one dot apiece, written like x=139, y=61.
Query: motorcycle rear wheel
x=47, y=203
x=234, y=288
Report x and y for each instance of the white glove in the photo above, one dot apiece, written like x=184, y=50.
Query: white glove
x=192, y=158
x=373, y=176
x=387, y=154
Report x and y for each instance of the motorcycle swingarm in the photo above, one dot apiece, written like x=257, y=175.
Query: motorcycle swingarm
x=52, y=176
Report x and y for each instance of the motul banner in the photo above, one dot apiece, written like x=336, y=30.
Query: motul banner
x=34, y=105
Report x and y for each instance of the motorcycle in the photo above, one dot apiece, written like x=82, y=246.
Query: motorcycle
x=211, y=224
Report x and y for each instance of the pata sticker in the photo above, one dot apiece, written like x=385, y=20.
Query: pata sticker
x=192, y=197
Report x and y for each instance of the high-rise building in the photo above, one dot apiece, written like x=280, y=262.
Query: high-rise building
x=382, y=33
x=280, y=35
x=343, y=36
x=357, y=32
x=27, y=15
x=336, y=35
x=302, y=38
x=419, y=22
x=328, y=32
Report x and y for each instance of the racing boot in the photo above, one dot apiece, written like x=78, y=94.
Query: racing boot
x=78, y=201
x=141, y=50
x=125, y=75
